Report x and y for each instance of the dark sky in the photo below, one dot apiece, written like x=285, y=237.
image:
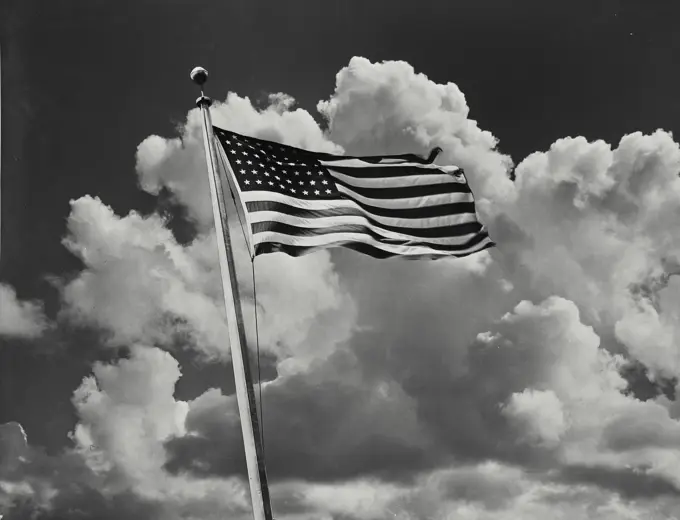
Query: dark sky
x=85, y=81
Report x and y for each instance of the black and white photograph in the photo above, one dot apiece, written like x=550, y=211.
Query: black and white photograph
x=339, y=260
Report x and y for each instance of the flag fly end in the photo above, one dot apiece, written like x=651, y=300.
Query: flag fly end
x=433, y=154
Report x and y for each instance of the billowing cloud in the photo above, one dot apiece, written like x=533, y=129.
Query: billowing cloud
x=126, y=410
x=125, y=415
x=179, y=164
x=537, y=390
x=488, y=388
x=141, y=285
x=22, y=319
x=605, y=217
x=327, y=423
x=389, y=108
x=539, y=413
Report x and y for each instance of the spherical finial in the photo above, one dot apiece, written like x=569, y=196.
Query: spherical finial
x=199, y=75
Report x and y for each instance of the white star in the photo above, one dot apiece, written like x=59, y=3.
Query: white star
x=328, y=191
x=282, y=186
x=249, y=162
x=254, y=172
x=271, y=183
x=258, y=181
x=316, y=192
x=293, y=190
x=244, y=152
x=239, y=144
x=277, y=177
x=243, y=171
x=312, y=183
x=246, y=181
x=238, y=161
x=266, y=174
x=309, y=173
x=289, y=181
x=302, y=182
x=297, y=173
x=227, y=141
x=306, y=192
x=324, y=181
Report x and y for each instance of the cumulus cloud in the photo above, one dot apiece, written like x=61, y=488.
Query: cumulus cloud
x=539, y=414
x=326, y=423
x=487, y=388
x=487, y=491
x=179, y=164
x=22, y=319
x=126, y=410
x=138, y=283
x=605, y=217
x=536, y=390
x=388, y=108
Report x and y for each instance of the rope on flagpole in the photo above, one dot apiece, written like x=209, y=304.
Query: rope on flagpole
x=257, y=343
x=256, y=306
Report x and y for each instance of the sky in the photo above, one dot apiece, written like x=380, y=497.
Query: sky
x=535, y=380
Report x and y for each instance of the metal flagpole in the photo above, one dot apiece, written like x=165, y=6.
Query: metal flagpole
x=245, y=395
x=0, y=155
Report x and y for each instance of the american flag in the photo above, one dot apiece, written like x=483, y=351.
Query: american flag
x=297, y=201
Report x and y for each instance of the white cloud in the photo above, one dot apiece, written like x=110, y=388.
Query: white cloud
x=487, y=491
x=126, y=411
x=389, y=108
x=652, y=332
x=179, y=164
x=603, y=217
x=23, y=319
x=540, y=413
x=400, y=381
x=139, y=284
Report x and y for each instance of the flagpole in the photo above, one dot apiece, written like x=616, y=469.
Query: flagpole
x=245, y=394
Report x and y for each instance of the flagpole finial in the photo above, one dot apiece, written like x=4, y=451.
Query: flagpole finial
x=199, y=76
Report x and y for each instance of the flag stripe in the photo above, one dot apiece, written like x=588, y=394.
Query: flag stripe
x=335, y=239
x=252, y=198
x=367, y=249
x=305, y=218
x=402, y=181
x=416, y=194
x=354, y=166
x=382, y=160
x=444, y=244
x=372, y=171
x=363, y=195
x=447, y=225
